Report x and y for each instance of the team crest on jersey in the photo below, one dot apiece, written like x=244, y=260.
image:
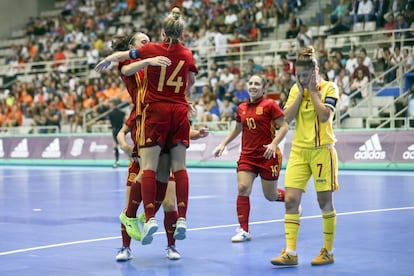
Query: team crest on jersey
x=259, y=110
x=132, y=177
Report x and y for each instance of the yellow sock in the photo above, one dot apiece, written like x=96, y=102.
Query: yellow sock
x=292, y=223
x=329, y=227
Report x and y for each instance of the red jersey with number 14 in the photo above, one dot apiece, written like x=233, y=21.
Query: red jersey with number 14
x=167, y=84
x=258, y=125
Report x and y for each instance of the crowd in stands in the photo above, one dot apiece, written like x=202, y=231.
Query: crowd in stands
x=81, y=30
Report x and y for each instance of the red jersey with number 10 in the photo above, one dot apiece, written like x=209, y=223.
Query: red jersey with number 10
x=167, y=84
x=258, y=125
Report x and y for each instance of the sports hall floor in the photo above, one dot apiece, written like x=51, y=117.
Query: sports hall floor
x=64, y=221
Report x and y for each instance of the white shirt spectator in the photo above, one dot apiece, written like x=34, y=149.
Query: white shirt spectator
x=230, y=18
x=351, y=64
x=365, y=7
x=368, y=63
x=220, y=43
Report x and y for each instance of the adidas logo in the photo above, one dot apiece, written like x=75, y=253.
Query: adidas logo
x=77, y=147
x=409, y=154
x=371, y=150
x=21, y=150
x=1, y=149
x=52, y=150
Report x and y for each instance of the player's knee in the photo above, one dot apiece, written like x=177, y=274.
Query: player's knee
x=291, y=203
x=271, y=197
x=243, y=189
x=168, y=205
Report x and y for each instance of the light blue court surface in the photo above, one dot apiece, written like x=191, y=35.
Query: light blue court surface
x=64, y=221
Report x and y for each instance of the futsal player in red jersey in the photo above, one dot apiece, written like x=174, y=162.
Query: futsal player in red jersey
x=167, y=89
x=134, y=81
x=257, y=120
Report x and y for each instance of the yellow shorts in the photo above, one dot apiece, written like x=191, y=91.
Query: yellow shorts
x=321, y=163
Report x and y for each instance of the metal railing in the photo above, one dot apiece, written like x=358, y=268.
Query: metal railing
x=21, y=130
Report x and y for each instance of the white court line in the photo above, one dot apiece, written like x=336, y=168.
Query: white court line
x=200, y=229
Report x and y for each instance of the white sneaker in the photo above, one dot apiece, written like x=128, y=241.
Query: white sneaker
x=172, y=253
x=148, y=230
x=180, y=229
x=124, y=254
x=241, y=236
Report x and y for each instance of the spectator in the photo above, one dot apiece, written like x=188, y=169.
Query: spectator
x=211, y=109
x=353, y=9
x=389, y=62
x=225, y=79
x=220, y=43
x=234, y=42
x=343, y=82
x=351, y=62
x=254, y=33
x=343, y=24
x=338, y=12
x=270, y=76
x=230, y=20
x=14, y=117
x=367, y=62
x=294, y=26
x=233, y=68
x=360, y=84
x=361, y=66
x=400, y=27
x=53, y=117
x=227, y=110
x=389, y=24
x=240, y=93
x=409, y=63
x=305, y=36
x=365, y=11
x=253, y=68
x=283, y=99
x=380, y=8
x=288, y=65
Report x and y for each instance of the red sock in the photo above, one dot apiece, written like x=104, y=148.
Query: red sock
x=181, y=182
x=126, y=240
x=159, y=198
x=170, y=218
x=134, y=200
x=149, y=190
x=281, y=195
x=243, y=211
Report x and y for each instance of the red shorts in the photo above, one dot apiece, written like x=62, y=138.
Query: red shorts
x=133, y=170
x=268, y=169
x=165, y=124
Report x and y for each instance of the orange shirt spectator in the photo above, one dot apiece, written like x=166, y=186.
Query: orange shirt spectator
x=131, y=4
x=125, y=96
x=14, y=118
x=113, y=91
x=33, y=51
x=59, y=56
x=254, y=33
x=2, y=116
